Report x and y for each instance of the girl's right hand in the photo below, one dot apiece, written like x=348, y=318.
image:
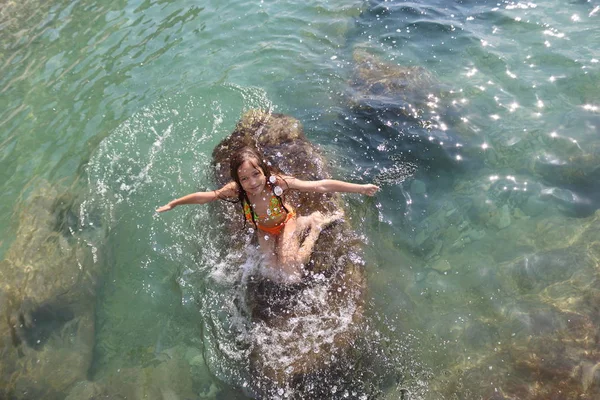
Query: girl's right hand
x=369, y=189
x=164, y=208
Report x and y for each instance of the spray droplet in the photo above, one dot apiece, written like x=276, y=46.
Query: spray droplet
x=278, y=190
x=272, y=179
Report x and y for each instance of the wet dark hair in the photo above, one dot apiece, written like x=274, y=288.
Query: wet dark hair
x=257, y=160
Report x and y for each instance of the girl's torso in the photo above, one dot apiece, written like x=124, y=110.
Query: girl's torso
x=267, y=209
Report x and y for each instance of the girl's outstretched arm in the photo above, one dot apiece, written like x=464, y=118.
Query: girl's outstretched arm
x=330, y=185
x=229, y=190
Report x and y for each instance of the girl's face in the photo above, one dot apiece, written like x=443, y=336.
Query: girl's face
x=252, y=178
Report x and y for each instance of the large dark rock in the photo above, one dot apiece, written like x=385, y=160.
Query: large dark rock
x=300, y=333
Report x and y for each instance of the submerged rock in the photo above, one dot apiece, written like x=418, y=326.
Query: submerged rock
x=169, y=379
x=47, y=294
x=404, y=104
x=408, y=89
x=441, y=265
x=501, y=217
x=567, y=163
x=535, y=271
x=565, y=170
x=547, y=326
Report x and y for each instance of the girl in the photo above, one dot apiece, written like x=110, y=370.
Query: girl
x=259, y=191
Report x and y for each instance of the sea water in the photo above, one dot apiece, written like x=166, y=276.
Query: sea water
x=481, y=259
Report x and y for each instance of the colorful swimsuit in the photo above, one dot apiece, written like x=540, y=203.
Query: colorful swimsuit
x=274, y=211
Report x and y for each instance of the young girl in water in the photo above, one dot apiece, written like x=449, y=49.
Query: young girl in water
x=260, y=192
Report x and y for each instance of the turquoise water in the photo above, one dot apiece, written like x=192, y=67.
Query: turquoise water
x=482, y=265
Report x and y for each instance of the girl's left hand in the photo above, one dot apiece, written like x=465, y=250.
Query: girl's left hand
x=369, y=189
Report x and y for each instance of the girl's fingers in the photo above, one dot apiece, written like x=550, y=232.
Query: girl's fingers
x=371, y=189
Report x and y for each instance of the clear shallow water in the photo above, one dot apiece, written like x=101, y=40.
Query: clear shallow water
x=477, y=263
